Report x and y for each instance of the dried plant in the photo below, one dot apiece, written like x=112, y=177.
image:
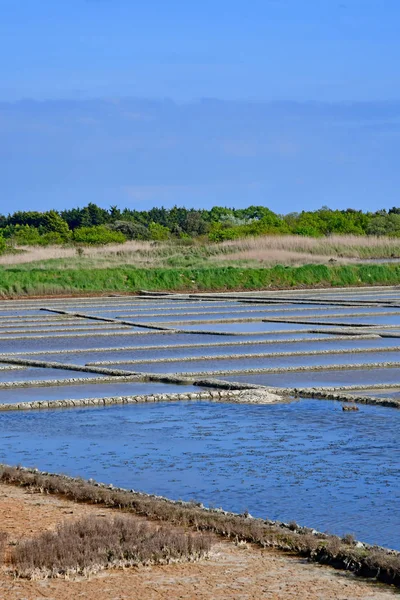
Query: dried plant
x=96, y=543
x=3, y=544
x=362, y=560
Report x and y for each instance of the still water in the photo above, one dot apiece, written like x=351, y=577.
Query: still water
x=306, y=461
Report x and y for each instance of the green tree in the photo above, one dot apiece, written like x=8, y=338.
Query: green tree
x=94, y=215
x=115, y=214
x=3, y=244
x=388, y=224
x=158, y=232
x=53, y=223
x=73, y=217
x=97, y=236
x=194, y=223
x=31, y=218
x=218, y=211
x=131, y=230
x=26, y=235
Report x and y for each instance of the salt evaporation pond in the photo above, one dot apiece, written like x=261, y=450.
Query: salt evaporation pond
x=201, y=349
x=306, y=461
x=91, y=390
x=48, y=344
x=277, y=362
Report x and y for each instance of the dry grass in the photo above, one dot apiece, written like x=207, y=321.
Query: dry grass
x=381, y=564
x=3, y=543
x=95, y=543
x=113, y=253
x=264, y=250
x=279, y=249
x=270, y=257
x=28, y=254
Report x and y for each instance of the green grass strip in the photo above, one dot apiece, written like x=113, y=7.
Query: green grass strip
x=35, y=281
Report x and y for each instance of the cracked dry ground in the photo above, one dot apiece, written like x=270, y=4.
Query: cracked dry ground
x=230, y=573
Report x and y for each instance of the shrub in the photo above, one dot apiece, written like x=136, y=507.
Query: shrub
x=54, y=224
x=384, y=225
x=53, y=237
x=26, y=235
x=97, y=236
x=158, y=233
x=349, y=539
x=230, y=229
x=131, y=230
x=95, y=543
x=3, y=244
x=3, y=542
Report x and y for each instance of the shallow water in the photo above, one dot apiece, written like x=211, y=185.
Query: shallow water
x=232, y=308
x=383, y=393
x=337, y=378
x=39, y=328
x=145, y=307
x=56, y=332
x=279, y=362
x=393, y=320
x=321, y=342
x=264, y=459
x=313, y=313
x=88, y=390
x=257, y=327
x=12, y=313
x=150, y=338
x=39, y=373
x=391, y=296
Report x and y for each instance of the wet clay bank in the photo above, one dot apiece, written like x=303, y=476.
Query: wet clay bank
x=253, y=353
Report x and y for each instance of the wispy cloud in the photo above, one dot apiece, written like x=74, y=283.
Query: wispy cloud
x=122, y=150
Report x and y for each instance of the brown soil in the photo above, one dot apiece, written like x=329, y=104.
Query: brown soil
x=231, y=572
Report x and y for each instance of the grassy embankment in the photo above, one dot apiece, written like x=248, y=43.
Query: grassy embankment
x=251, y=263
x=22, y=282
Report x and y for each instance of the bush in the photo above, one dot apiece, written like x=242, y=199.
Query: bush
x=220, y=233
x=3, y=244
x=97, y=236
x=232, y=229
x=94, y=543
x=53, y=237
x=385, y=225
x=54, y=224
x=131, y=230
x=3, y=542
x=158, y=233
x=27, y=235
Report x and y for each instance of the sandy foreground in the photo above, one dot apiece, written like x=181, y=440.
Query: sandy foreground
x=231, y=572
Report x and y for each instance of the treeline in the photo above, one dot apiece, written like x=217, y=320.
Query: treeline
x=95, y=225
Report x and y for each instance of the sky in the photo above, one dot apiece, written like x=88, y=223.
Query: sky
x=292, y=104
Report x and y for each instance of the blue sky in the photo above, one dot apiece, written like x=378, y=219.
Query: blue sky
x=288, y=103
